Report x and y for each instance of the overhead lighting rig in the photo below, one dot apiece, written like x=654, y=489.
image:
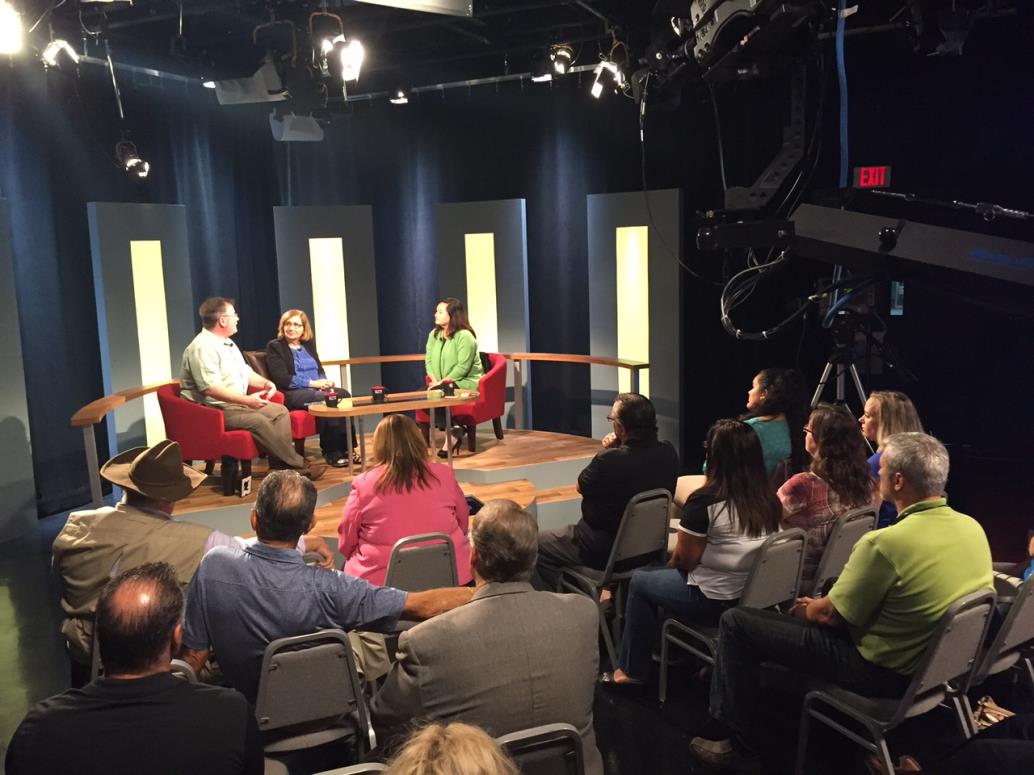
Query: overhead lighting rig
x=58, y=50
x=12, y=33
x=562, y=57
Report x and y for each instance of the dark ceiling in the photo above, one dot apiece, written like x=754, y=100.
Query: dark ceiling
x=402, y=47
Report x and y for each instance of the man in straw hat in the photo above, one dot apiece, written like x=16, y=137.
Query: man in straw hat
x=95, y=545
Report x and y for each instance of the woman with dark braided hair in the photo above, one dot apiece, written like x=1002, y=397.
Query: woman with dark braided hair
x=838, y=481
x=777, y=407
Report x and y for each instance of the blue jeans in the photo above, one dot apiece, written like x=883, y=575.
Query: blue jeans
x=649, y=590
x=747, y=637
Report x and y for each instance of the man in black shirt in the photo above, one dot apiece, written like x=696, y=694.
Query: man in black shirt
x=632, y=461
x=139, y=717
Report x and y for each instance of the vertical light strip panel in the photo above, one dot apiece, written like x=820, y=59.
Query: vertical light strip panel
x=481, y=297
x=633, y=303
x=152, y=328
x=329, y=303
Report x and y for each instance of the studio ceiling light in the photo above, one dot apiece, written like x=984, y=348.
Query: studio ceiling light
x=541, y=69
x=607, y=70
x=126, y=153
x=51, y=55
x=562, y=56
x=399, y=96
x=350, y=55
x=12, y=34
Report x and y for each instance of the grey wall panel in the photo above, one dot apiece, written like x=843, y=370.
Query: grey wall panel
x=506, y=220
x=353, y=225
x=605, y=214
x=113, y=227
x=17, y=484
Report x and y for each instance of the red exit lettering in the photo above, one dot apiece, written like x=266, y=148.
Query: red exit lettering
x=871, y=177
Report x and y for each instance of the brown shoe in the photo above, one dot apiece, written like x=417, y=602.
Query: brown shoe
x=313, y=471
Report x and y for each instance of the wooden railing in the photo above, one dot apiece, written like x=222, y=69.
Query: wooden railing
x=95, y=411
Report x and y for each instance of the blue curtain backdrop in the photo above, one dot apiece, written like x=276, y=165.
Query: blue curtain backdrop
x=949, y=129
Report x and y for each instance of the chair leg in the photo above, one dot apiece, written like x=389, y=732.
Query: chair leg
x=662, y=687
x=209, y=467
x=964, y=712
x=245, y=468
x=497, y=426
x=608, y=641
x=802, y=739
x=472, y=438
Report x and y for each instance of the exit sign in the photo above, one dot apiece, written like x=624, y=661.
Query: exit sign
x=872, y=177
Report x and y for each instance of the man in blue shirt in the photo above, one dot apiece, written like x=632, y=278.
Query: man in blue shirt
x=241, y=599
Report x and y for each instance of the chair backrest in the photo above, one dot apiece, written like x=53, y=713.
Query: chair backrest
x=308, y=681
x=551, y=749
x=776, y=575
x=846, y=532
x=256, y=359
x=356, y=769
x=183, y=670
x=492, y=386
x=420, y=562
x=1014, y=637
x=642, y=536
x=950, y=656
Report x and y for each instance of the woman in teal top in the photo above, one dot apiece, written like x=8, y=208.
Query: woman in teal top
x=777, y=408
x=452, y=354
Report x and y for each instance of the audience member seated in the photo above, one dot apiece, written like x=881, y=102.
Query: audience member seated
x=138, y=717
x=1006, y=748
x=294, y=366
x=93, y=545
x=510, y=659
x=837, y=482
x=870, y=632
x=723, y=525
x=404, y=495
x=632, y=461
x=215, y=374
x=887, y=412
x=455, y=749
x=777, y=407
x=241, y=599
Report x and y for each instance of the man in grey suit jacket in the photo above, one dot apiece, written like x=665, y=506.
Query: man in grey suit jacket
x=511, y=658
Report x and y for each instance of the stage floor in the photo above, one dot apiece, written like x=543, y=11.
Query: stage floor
x=537, y=469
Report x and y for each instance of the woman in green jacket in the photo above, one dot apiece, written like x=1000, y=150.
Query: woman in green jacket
x=452, y=354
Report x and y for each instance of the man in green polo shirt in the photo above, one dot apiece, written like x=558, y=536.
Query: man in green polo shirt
x=870, y=632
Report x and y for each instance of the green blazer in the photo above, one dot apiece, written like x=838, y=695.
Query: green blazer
x=455, y=358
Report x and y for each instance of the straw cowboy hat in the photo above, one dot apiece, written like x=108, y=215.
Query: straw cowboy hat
x=155, y=472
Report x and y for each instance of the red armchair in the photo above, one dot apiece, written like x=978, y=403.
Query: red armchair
x=201, y=432
x=489, y=405
x=303, y=424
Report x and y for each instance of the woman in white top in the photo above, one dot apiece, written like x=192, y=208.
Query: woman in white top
x=723, y=525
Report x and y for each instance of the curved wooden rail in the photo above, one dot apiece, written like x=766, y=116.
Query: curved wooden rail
x=375, y=359
x=594, y=360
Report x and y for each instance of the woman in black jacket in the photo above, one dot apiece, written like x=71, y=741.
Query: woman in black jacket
x=294, y=365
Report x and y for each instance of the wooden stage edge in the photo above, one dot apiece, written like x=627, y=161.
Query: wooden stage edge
x=553, y=458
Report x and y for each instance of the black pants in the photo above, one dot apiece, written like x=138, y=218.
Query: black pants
x=557, y=550
x=1007, y=748
x=332, y=432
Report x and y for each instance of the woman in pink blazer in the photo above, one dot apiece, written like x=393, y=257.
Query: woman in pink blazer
x=403, y=496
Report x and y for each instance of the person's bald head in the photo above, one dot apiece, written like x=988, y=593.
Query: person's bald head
x=138, y=617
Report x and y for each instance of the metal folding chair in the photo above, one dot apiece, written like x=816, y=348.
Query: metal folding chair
x=309, y=693
x=425, y=561
x=183, y=670
x=774, y=579
x=846, y=532
x=642, y=538
x=950, y=659
x=551, y=749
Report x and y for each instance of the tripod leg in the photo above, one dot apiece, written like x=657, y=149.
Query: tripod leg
x=858, y=384
x=822, y=384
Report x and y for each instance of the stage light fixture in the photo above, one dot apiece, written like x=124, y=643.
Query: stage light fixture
x=541, y=69
x=607, y=69
x=399, y=96
x=126, y=153
x=562, y=56
x=51, y=55
x=350, y=55
x=209, y=84
x=12, y=33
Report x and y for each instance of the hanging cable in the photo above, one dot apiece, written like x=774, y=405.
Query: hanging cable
x=842, y=81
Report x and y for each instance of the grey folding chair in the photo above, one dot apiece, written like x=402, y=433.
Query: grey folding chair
x=642, y=538
x=550, y=749
x=774, y=579
x=420, y=562
x=1011, y=646
x=846, y=532
x=356, y=769
x=309, y=693
x=183, y=670
x=950, y=658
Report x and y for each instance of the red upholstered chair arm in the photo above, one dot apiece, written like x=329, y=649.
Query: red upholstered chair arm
x=492, y=390
x=199, y=429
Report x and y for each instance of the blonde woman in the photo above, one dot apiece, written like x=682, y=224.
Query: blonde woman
x=456, y=749
x=887, y=412
x=405, y=495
